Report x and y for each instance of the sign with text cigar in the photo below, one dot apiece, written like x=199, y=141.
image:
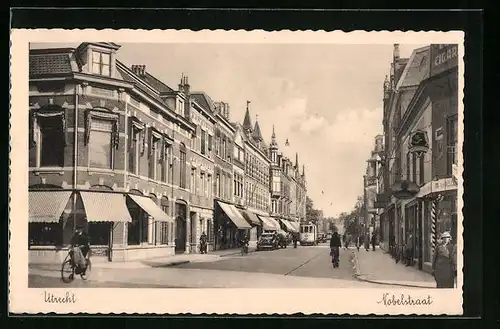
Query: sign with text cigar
x=443, y=57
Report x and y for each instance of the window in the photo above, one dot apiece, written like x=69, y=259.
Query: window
x=414, y=168
x=193, y=181
x=165, y=162
x=101, y=63
x=164, y=226
x=210, y=235
x=100, y=144
x=202, y=184
x=45, y=234
x=99, y=233
x=209, y=145
x=203, y=142
x=154, y=156
x=182, y=167
x=217, y=186
x=210, y=187
x=452, y=139
x=134, y=153
x=421, y=169
x=51, y=141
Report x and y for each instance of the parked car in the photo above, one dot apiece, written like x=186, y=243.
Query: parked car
x=268, y=241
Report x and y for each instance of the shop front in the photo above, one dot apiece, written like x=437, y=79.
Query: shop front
x=55, y=215
x=256, y=229
x=231, y=226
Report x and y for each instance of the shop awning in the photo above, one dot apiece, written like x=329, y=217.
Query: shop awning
x=251, y=217
x=105, y=207
x=47, y=206
x=275, y=223
x=151, y=208
x=267, y=225
x=288, y=225
x=296, y=225
x=234, y=215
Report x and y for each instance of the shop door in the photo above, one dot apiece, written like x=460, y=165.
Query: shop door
x=180, y=228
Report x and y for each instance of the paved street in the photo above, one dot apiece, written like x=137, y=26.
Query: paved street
x=303, y=261
x=304, y=267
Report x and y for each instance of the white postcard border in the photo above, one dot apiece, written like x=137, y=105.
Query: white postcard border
x=202, y=301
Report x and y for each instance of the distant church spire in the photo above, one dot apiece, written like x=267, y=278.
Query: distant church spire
x=257, y=135
x=247, y=122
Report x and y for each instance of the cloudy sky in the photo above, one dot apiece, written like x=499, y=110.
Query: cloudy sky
x=326, y=99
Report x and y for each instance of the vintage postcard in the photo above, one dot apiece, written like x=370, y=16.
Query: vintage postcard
x=268, y=172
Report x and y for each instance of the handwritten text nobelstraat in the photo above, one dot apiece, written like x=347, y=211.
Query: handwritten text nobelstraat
x=67, y=298
x=404, y=300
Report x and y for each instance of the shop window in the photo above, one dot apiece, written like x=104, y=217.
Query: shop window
x=101, y=63
x=164, y=232
x=51, y=140
x=99, y=233
x=45, y=234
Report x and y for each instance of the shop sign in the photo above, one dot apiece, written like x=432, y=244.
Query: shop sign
x=443, y=57
x=419, y=143
x=405, y=190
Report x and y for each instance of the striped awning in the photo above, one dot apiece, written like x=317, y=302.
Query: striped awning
x=266, y=224
x=151, y=208
x=288, y=225
x=234, y=215
x=275, y=223
x=105, y=207
x=251, y=217
x=295, y=225
x=47, y=206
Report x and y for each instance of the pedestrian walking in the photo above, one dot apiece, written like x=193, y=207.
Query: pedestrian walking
x=357, y=242
x=367, y=242
x=203, y=243
x=444, y=264
x=374, y=240
x=408, y=250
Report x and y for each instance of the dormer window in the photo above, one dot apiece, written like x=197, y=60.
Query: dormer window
x=101, y=63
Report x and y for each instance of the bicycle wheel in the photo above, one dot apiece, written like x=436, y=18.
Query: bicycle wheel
x=67, y=271
x=85, y=275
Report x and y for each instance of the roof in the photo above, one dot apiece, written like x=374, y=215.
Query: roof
x=204, y=100
x=256, y=132
x=47, y=63
x=156, y=84
x=417, y=68
x=247, y=122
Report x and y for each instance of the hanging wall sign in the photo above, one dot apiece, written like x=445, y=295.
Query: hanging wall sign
x=419, y=143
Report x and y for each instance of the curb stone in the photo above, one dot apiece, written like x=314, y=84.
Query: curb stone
x=362, y=277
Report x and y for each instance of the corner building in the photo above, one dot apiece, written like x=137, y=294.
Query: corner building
x=421, y=102
x=112, y=149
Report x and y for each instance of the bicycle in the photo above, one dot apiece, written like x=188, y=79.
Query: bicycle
x=68, y=267
x=335, y=256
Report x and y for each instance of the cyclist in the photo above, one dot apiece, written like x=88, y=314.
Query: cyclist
x=244, y=244
x=81, y=247
x=335, y=245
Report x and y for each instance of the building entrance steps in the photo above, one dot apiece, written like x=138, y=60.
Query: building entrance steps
x=379, y=267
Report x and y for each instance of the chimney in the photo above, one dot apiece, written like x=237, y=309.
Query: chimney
x=139, y=70
x=184, y=85
x=395, y=53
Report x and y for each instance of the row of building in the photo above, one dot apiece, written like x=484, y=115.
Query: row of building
x=145, y=168
x=411, y=178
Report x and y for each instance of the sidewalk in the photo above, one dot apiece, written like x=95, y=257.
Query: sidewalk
x=379, y=267
x=151, y=262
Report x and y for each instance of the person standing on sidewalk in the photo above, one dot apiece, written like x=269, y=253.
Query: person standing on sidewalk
x=373, y=240
x=444, y=264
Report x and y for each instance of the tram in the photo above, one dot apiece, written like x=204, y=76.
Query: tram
x=308, y=235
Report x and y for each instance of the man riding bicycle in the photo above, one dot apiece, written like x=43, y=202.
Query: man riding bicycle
x=335, y=245
x=81, y=247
